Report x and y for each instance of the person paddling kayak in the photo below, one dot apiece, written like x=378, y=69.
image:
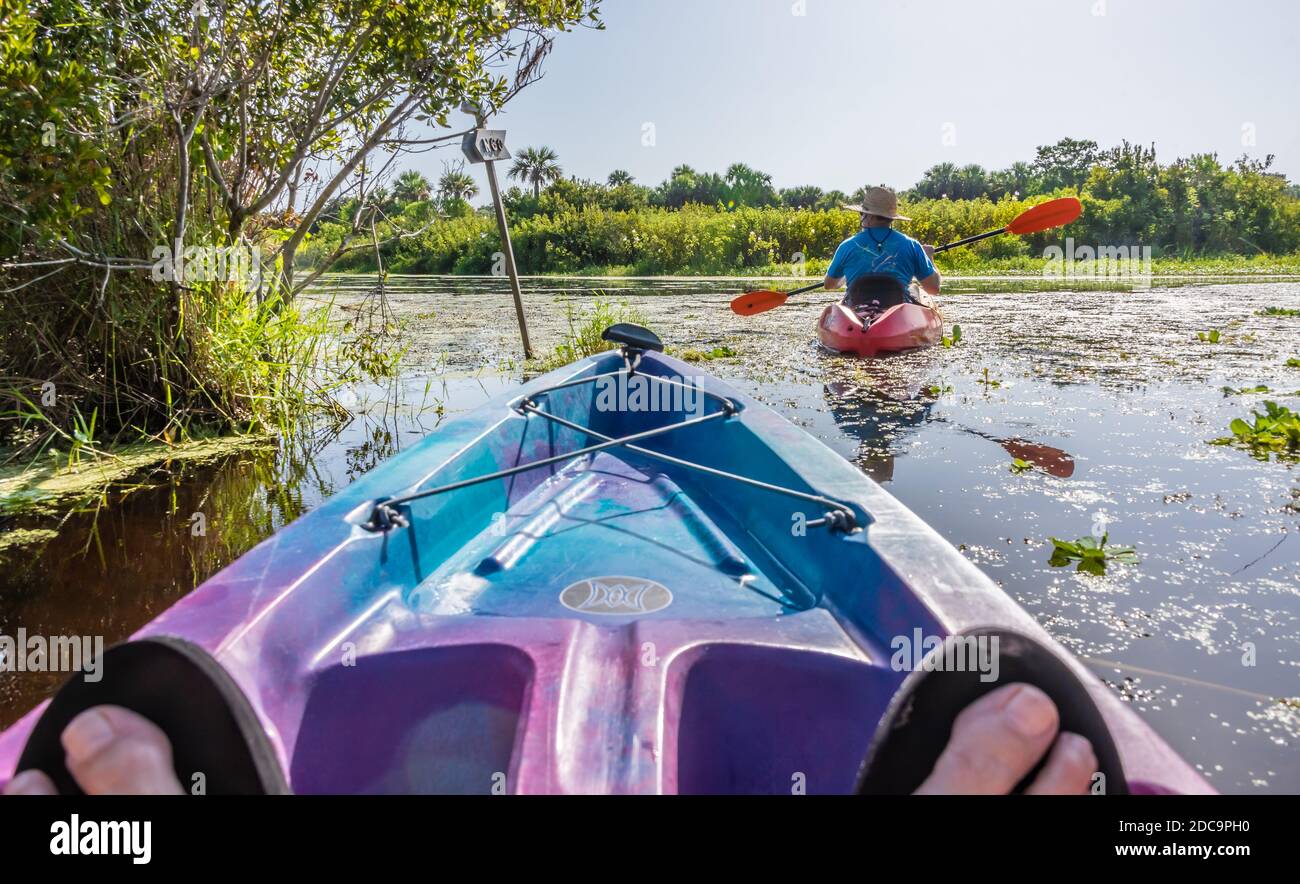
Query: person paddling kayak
x=878, y=263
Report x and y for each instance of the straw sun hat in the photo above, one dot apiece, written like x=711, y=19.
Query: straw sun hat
x=879, y=201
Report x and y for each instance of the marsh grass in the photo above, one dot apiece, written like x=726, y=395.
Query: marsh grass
x=586, y=326
x=238, y=362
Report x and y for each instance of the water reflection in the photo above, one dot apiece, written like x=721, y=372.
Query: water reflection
x=120, y=560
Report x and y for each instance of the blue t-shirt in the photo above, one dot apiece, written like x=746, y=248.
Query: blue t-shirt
x=896, y=254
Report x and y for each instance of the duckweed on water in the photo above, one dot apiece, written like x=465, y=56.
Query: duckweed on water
x=1277, y=311
x=49, y=487
x=720, y=352
x=1092, y=554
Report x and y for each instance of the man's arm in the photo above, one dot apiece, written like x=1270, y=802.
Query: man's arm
x=930, y=285
x=835, y=270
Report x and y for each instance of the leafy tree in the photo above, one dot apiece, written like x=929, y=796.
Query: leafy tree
x=456, y=183
x=832, y=200
x=1066, y=163
x=684, y=185
x=947, y=181
x=536, y=166
x=748, y=187
x=1017, y=180
x=411, y=187
x=803, y=197
x=1128, y=176
x=619, y=177
x=627, y=197
x=180, y=124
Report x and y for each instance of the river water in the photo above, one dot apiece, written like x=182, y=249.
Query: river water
x=1109, y=392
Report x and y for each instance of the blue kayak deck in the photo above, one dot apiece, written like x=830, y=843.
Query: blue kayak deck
x=612, y=515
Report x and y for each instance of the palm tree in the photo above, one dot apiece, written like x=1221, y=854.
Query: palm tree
x=456, y=184
x=536, y=166
x=411, y=187
x=619, y=177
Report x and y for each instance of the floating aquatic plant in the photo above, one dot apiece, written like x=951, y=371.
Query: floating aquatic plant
x=1276, y=431
x=1092, y=554
x=955, y=338
x=1211, y=337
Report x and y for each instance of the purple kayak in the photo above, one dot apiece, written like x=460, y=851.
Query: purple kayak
x=622, y=577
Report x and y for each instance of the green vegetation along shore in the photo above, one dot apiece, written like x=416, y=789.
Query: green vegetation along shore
x=1194, y=215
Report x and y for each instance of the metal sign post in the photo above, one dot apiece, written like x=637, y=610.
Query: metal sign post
x=487, y=146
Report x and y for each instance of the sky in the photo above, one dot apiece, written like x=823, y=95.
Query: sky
x=841, y=93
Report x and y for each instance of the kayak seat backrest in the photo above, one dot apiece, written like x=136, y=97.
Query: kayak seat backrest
x=877, y=291
x=634, y=336
x=763, y=720
x=430, y=721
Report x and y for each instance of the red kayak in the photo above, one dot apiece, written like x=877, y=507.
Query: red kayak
x=901, y=327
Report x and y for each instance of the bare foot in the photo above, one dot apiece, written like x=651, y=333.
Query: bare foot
x=1001, y=737
x=110, y=751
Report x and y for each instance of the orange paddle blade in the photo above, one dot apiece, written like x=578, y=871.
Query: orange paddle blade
x=757, y=302
x=1045, y=216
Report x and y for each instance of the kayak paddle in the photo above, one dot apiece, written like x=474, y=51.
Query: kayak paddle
x=760, y=302
x=1044, y=216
